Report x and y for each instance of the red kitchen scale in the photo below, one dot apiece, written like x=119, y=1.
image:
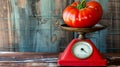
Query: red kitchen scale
x=81, y=51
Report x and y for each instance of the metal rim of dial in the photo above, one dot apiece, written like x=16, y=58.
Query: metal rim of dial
x=82, y=50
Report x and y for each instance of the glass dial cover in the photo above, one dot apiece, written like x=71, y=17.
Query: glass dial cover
x=82, y=50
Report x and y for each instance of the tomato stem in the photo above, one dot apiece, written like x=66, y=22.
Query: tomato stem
x=82, y=4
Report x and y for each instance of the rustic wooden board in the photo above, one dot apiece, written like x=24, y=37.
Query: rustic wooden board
x=5, y=32
x=28, y=59
x=30, y=26
x=35, y=25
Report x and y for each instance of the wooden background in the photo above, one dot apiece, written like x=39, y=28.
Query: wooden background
x=31, y=26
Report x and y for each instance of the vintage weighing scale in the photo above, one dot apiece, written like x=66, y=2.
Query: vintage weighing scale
x=81, y=51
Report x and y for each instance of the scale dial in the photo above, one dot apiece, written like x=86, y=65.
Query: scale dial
x=82, y=50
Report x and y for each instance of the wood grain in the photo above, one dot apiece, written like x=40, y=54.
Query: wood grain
x=29, y=59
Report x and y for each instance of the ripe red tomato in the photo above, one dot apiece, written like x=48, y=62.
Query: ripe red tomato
x=82, y=15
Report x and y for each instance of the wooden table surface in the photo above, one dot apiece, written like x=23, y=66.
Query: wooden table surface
x=29, y=59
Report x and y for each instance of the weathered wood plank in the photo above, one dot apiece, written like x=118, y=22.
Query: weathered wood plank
x=27, y=59
x=5, y=39
x=21, y=21
x=27, y=33
x=49, y=14
x=35, y=29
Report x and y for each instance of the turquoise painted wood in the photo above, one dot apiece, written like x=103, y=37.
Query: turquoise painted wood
x=21, y=25
x=44, y=34
x=38, y=34
x=48, y=38
x=35, y=28
x=99, y=39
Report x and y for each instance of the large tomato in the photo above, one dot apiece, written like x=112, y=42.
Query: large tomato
x=82, y=14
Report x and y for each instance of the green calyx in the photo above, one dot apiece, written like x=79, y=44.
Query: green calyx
x=82, y=4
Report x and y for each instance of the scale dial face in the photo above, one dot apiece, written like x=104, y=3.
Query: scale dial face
x=82, y=50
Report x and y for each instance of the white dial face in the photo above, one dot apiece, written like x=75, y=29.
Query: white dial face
x=82, y=50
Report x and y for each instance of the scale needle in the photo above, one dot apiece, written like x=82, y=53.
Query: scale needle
x=83, y=50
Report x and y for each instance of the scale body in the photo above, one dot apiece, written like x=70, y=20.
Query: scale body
x=81, y=51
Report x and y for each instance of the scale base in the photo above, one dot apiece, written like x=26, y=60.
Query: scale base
x=95, y=63
x=68, y=59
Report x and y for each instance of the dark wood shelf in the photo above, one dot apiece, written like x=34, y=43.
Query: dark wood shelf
x=31, y=59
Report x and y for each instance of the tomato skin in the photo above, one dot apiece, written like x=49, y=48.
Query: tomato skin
x=82, y=18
